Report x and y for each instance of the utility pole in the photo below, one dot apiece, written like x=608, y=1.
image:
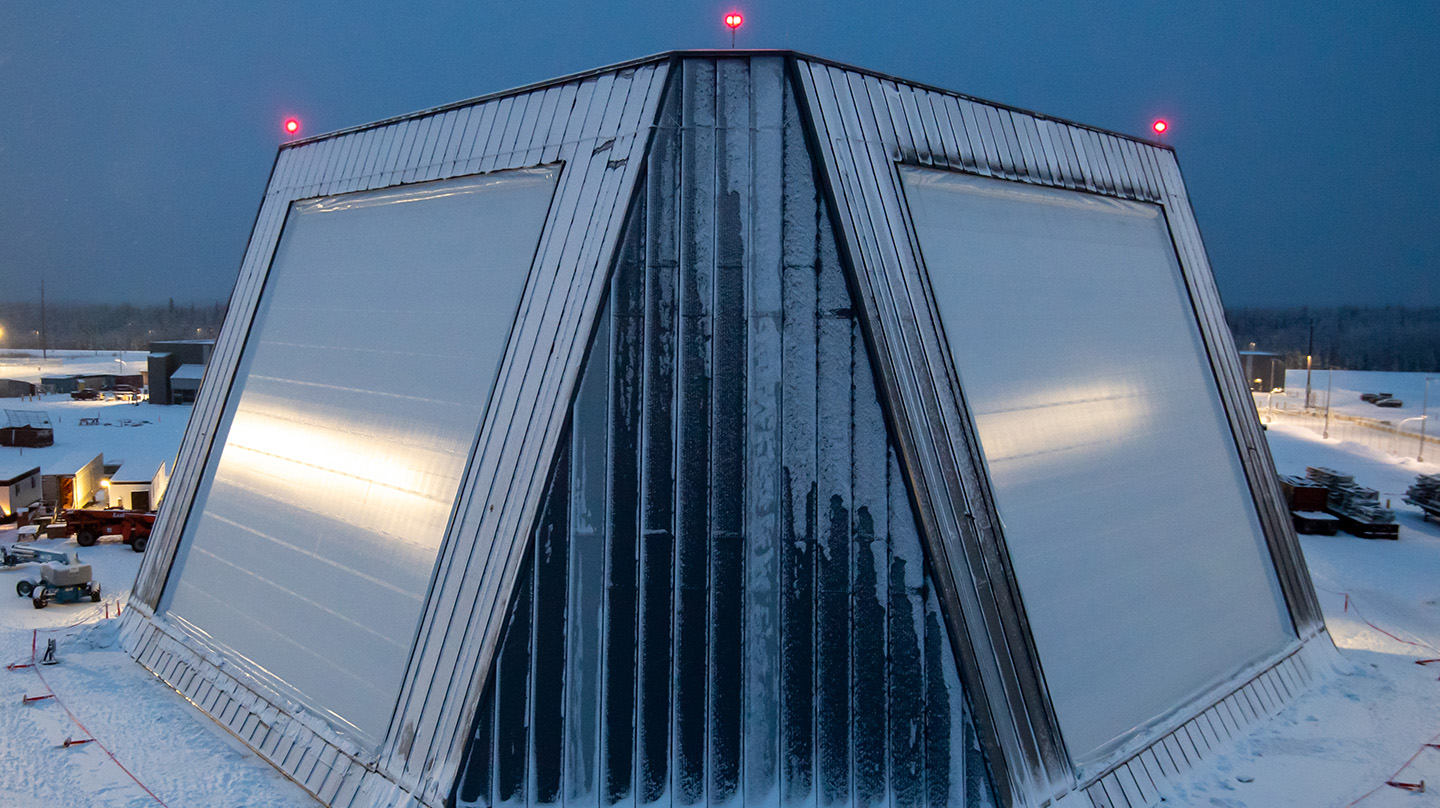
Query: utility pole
x=1329, y=374
x=1309, y=352
x=44, y=341
x=1424, y=416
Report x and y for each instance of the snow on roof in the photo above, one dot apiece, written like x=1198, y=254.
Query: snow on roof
x=137, y=471
x=71, y=461
x=17, y=474
x=195, y=372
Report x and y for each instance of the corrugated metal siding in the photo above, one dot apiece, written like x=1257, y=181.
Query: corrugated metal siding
x=864, y=125
x=598, y=127
x=725, y=597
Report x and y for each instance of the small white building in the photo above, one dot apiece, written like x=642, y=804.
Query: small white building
x=139, y=485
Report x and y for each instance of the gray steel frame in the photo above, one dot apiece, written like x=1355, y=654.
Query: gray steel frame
x=598, y=127
x=599, y=124
x=865, y=126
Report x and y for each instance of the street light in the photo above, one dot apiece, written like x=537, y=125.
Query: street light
x=1401, y=430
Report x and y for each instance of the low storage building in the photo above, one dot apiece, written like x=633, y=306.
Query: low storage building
x=138, y=485
x=18, y=489
x=74, y=480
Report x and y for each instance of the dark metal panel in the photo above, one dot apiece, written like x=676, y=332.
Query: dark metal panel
x=801, y=214
x=693, y=447
x=657, y=508
x=762, y=425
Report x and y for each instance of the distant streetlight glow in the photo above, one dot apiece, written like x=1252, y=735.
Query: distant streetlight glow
x=292, y=126
x=1160, y=126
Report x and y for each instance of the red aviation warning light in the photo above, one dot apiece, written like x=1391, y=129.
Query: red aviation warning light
x=733, y=20
x=292, y=126
x=1160, y=126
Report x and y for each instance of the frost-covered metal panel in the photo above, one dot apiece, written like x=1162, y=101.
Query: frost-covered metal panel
x=314, y=532
x=755, y=517
x=859, y=151
x=599, y=139
x=1139, y=553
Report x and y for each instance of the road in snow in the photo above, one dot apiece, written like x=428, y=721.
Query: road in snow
x=1334, y=744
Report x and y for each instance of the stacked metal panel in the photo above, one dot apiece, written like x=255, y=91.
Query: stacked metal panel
x=726, y=598
x=1349, y=497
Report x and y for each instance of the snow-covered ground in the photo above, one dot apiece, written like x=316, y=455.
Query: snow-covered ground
x=30, y=365
x=1350, y=735
x=1332, y=746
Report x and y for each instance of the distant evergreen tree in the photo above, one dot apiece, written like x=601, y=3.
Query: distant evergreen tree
x=1394, y=338
x=107, y=326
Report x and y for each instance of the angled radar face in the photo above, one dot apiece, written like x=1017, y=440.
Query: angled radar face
x=309, y=549
x=1124, y=505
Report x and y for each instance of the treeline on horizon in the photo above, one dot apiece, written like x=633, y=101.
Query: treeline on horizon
x=107, y=326
x=1393, y=338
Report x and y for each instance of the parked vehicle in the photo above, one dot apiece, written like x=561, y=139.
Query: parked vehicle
x=1390, y=402
x=1374, y=397
x=133, y=527
x=85, y=395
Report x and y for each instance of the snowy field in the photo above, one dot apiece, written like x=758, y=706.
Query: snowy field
x=1337, y=744
x=29, y=365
